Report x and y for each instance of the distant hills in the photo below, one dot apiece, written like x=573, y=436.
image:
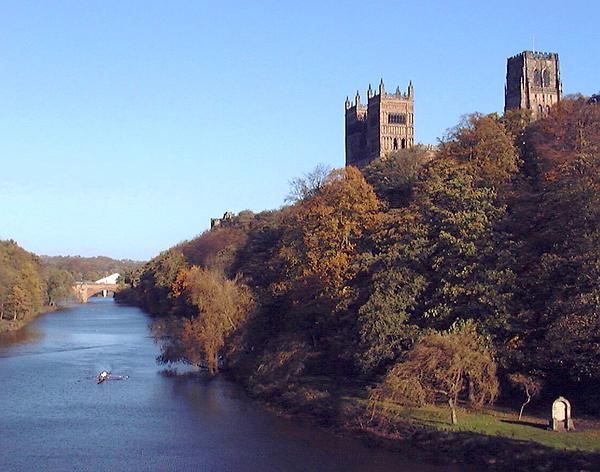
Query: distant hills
x=90, y=268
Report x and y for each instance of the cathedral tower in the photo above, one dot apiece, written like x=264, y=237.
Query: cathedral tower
x=384, y=124
x=532, y=82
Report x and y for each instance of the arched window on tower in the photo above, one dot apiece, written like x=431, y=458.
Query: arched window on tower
x=546, y=78
x=395, y=143
x=537, y=78
x=403, y=143
x=540, y=110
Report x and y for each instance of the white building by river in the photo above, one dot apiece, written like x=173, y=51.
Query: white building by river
x=111, y=279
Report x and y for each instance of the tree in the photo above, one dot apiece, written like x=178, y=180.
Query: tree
x=326, y=231
x=88, y=268
x=482, y=144
x=157, y=277
x=516, y=120
x=220, y=307
x=560, y=232
x=441, y=365
x=443, y=258
x=570, y=352
x=393, y=177
x=468, y=261
x=390, y=289
x=307, y=186
x=531, y=386
x=20, y=271
x=59, y=285
x=383, y=320
x=257, y=260
x=18, y=303
x=214, y=249
x=570, y=131
x=4, y=290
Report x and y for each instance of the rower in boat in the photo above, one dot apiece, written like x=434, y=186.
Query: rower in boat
x=102, y=376
x=106, y=375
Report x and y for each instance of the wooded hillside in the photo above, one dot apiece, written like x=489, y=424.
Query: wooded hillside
x=90, y=268
x=496, y=233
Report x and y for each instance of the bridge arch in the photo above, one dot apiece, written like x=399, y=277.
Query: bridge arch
x=84, y=290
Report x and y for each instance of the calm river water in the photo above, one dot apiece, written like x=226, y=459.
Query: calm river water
x=53, y=416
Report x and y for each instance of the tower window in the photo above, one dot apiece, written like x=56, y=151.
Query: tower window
x=399, y=118
x=546, y=78
x=403, y=143
x=537, y=78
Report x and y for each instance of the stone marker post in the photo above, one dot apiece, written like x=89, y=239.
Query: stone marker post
x=561, y=415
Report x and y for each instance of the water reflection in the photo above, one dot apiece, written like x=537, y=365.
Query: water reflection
x=60, y=419
x=18, y=337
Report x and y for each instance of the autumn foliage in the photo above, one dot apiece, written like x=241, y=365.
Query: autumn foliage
x=328, y=231
x=440, y=366
x=22, y=283
x=217, y=307
x=478, y=259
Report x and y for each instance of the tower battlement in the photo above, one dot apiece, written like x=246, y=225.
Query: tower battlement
x=532, y=82
x=535, y=55
x=384, y=124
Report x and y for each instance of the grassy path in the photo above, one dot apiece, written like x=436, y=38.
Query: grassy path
x=505, y=424
x=492, y=439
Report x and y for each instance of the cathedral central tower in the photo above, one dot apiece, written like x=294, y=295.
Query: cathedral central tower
x=384, y=124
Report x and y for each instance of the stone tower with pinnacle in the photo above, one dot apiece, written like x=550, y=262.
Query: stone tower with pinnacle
x=384, y=124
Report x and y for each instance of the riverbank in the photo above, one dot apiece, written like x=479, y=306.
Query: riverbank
x=13, y=325
x=49, y=401
x=487, y=440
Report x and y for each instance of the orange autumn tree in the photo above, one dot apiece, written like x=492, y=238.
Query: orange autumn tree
x=483, y=145
x=569, y=137
x=219, y=306
x=327, y=231
x=17, y=302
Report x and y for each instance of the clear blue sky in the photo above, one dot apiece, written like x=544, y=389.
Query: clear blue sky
x=125, y=126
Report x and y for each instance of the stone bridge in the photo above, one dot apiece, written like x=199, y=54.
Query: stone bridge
x=85, y=290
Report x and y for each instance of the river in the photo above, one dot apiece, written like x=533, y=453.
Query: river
x=54, y=417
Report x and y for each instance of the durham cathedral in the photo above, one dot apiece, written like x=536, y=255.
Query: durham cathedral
x=386, y=122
